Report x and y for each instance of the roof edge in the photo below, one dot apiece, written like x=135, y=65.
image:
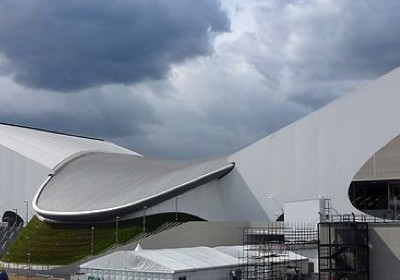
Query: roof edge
x=52, y=131
x=54, y=216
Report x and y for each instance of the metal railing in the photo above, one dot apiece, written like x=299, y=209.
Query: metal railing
x=358, y=218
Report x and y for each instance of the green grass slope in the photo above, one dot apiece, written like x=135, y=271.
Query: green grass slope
x=60, y=244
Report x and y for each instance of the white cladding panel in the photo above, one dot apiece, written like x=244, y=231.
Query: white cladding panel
x=219, y=200
x=103, y=182
x=305, y=211
x=49, y=149
x=384, y=165
x=320, y=154
x=204, y=202
x=20, y=178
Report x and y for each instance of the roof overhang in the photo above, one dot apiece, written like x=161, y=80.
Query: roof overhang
x=101, y=185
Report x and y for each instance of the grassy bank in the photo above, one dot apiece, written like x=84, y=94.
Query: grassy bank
x=59, y=244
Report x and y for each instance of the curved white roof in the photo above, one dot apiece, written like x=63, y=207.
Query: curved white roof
x=50, y=148
x=104, y=183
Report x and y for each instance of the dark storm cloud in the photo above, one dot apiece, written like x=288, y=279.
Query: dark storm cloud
x=371, y=37
x=73, y=45
x=314, y=48
x=95, y=114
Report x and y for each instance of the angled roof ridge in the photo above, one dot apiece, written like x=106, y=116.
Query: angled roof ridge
x=362, y=90
x=52, y=131
x=50, y=148
x=143, y=255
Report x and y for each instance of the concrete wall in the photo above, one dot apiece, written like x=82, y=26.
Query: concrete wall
x=384, y=252
x=194, y=234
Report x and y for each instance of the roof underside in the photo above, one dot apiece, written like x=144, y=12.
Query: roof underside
x=102, y=183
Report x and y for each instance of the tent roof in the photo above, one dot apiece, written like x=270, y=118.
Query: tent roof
x=164, y=260
x=51, y=148
x=275, y=257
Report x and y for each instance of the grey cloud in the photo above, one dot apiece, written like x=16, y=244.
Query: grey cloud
x=73, y=45
x=307, y=45
x=307, y=54
x=95, y=114
x=223, y=132
x=301, y=55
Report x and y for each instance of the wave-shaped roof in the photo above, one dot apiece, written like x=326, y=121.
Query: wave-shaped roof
x=50, y=148
x=103, y=183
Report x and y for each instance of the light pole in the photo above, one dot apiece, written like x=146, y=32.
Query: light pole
x=144, y=218
x=176, y=209
x=16, y=216
x=277, y=204
x=91, y=241
x=26, y=214
x=28, y=254
x=116, y=229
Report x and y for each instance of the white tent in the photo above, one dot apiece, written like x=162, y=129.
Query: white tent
x=179, y=264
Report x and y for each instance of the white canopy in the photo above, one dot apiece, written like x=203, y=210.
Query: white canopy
x=163, y=260
x=253, y=251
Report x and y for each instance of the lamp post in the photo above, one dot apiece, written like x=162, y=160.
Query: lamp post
x=91, y=241
x=116, y=229
x=144, y=218
x=26, y=214
x=176, y=208
x=28, y=254
x=276, y=203
x=16, y=216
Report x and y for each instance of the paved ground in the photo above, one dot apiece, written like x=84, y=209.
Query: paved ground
x=15, y=276
x=19, y=271
x=33, y=275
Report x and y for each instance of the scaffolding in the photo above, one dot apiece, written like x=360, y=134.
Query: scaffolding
x=343, y=251
x=275, y=251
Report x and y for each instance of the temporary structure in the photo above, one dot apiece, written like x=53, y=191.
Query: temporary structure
x=179, y=264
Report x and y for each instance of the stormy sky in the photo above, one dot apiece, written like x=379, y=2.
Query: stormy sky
x=185, y=79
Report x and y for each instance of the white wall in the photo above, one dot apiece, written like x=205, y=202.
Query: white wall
x=384, y=251
x=204, y=202
x=320, y=154
x=193, y=234
x=122, y=275
x=207, y=274
x=20, y=178
x=304, y=211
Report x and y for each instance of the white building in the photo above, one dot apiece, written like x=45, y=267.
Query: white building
x=67, y=178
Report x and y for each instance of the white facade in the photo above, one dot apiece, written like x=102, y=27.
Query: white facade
x=312, y=160
x=20, y=178
x=319, y=155
x=316, y=157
